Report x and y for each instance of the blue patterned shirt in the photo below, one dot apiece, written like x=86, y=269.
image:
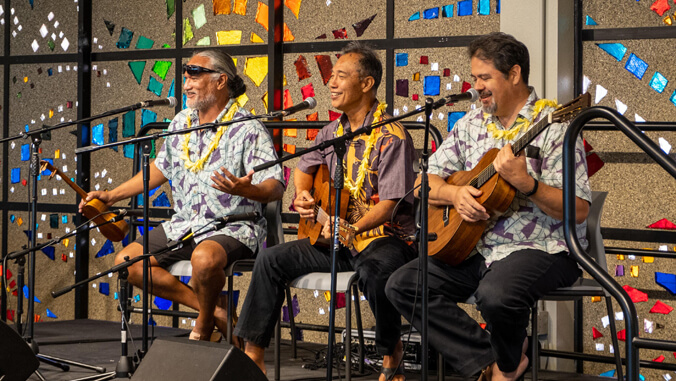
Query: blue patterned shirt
x=242, y=147
x=524, y=225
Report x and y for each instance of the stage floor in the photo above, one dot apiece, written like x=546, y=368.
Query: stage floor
x=97, y=343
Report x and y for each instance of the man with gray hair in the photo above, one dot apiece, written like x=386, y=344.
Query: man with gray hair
x=211, y=173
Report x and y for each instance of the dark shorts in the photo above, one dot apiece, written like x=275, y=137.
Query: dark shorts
x=157, y=240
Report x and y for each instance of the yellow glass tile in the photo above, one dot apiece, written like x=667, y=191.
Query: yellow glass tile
x=25, y=79
x=222, y=7
x=291, y=132
x=264, y=98
x=66, y=241
x=242, y=99
x=595, y=299
x=51, y=112
x=648, y=259
x=57, y=154
x=256, y=39
x=256, y=68
x=229, y=37
x=240, y=7
x=252, y=111
x=19, y=221
x=667, y=20
x=284, y=83
x=634, y=271
x=327, y=296
x=235, y=61
x=416, y=76
x=620, y=257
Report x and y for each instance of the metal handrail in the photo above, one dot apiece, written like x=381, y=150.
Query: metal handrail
x=633, y=342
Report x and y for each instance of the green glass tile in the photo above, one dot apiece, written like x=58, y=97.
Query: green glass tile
x=204, y=41
x=137, y=68
x=144, y=43
x=171, y=7
x=161, y=68
x=187, y=31
x=129, y=124
x=51, y=45
x=54, y=221
x=155, y=86
x=166, y=46
x=199, y=16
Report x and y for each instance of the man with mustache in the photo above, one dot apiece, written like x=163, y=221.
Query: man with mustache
x=522, y=255
x=211, y=173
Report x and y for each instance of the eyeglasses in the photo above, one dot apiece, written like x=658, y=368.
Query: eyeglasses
x=196, y=70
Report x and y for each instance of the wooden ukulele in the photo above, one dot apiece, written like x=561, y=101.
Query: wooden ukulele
x=321, y=189
x=456, y=238
x=96, y=209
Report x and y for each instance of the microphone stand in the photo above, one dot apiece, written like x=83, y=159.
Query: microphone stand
x=338, y=145
x=36, y=139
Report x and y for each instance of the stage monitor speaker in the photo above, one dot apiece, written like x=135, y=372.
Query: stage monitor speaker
x=17, y=360
x=183, y=359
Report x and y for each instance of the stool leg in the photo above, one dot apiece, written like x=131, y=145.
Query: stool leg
x=348, y=334
x=278, y=336
x=292, y=322
x=360, y=329
x=231, y=303
x=535, y=356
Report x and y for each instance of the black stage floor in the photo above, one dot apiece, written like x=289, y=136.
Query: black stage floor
x=97, y=343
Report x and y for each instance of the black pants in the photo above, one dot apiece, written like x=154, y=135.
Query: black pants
x=280, y=264
x=505, y=292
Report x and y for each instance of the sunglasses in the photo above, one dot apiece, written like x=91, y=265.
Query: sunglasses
x=196, y=70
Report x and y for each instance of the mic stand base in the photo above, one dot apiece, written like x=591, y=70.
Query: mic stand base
x=125, y=365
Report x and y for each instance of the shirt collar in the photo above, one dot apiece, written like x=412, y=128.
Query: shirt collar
x=194, y=114
x=367, y=121
x=526, y=111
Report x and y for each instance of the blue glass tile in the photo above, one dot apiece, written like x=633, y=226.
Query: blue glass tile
x=25, y=152
x=26, y=128
x=50, y=72
x=183, y=105
x=64, y=219
x=112, y=131
x=171, y=89
x=137, y=298
x=636, y=66
x=162, y=200
x=129, y=124
x=401, y=59
x=672, y=99
x=162, y=303
x=16, y=175
x=431, y=85
x=667, y=281
x=453, y=117
x=25, y=294
x=49, y=252
x=590, y=21
x=658, y=82
x=97, y=134
x=51, y=314
x=497, y=8
x=484, y=7
x=104, y=288
x=465, y=8
x=610, y=373
x=12, y=218
x=432, y=13
x=185, y=279
x=616, y=50
x=447, y=10
x=128, y=150
x=148, y=116
x=415, y=16
x=106, y=249
x=125, y=38
x=47, y=172
x=155, y=86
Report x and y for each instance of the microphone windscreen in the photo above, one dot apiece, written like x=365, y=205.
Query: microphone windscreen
x=311, y=102
x=172, y=101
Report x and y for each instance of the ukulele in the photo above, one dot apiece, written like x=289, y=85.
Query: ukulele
x=456, y=238
x=321, y=189
x=95, y=209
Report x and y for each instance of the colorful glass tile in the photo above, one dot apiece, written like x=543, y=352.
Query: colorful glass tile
x=484, y=7
x=49, y=252
x=402, y=87
x=125, y=38
x=673, y=98
x=106, y=249
x=25, y=294
x=171, y=89
x=187, y=31
x=636, y=66
x=333, y=115
x=301, y=68
x=262, y=15
x=148, y=116
x=453, y=117
x=15, y=176
x=658, y=82
x=256, y=68
x=590, y=21
x=340, y=33
x=204, y=41
x=222, y=7
x=256, y=39
x=660, y=6
x=431, y=13
x=325, y=67
x=465, y=8
x=161, y=303
x=401, y=59
x=97, y=134
x=104, y=288
x=294, y=6
x=288, y=36
x=161, y=68
x=416, y=77
x=162, y=200
x=619, y=270
x=51, y=314
x=666, y=280
x=129, y=124
x=155, y=86
x=360, y=26
x=240, y=7
x=25, y=152
x=144, y=43
x=110, y=26
x=137, y=68
x=447, y=10
x=616, y=50
x=199, y=16
x=229, y=37
x=415, y=16
x=112, y=131
x=307, y=91
x=54, y=221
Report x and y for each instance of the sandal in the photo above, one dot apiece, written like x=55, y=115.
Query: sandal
x=391, y=372
x=215, y=337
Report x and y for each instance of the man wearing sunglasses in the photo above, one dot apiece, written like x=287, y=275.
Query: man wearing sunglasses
x=211, y=173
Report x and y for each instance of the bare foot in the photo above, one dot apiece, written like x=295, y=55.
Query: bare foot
x=257, y=354
x=221, y=320
x=392, y=361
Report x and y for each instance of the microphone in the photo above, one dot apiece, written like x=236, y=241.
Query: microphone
x=121, y=213
x=470, y=95
x=249, y=216
x=307, y=104
x=171, y=102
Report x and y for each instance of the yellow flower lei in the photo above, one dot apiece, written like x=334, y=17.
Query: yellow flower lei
x=199, y=164
x=354, y=187
x=522, y=122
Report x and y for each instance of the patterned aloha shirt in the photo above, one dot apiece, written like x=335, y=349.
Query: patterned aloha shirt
x=524, y=225
x=389, y=177
x=242, y=147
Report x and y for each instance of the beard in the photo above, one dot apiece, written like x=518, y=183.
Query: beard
x=492, y=107
x=201, y=102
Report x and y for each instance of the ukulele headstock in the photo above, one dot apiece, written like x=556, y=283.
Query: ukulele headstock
x=347, y=234
x=570, y=110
